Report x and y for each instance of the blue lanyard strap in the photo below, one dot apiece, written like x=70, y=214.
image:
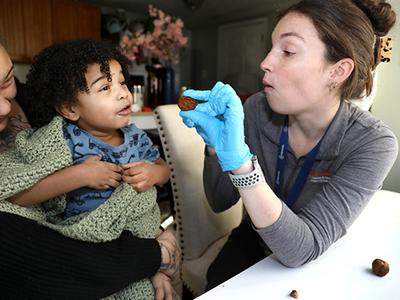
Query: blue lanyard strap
x=280, y=168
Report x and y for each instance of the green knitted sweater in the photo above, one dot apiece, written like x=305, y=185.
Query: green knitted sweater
x=42, y=152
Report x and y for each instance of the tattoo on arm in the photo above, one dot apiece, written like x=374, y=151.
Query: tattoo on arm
x=173, y=261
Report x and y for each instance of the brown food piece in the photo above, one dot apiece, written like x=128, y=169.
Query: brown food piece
x=188, y=103
x=380, y=267
x=294, y=294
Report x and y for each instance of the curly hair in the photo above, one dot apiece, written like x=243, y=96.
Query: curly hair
x=57, y=75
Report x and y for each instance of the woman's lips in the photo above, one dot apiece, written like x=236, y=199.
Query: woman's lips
x=266, y=83
x=267, y=87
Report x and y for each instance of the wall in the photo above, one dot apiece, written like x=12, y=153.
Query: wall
x=204, y=57
x=205, y=42
x=386, y=104
x=205, y=54
x=184, y=68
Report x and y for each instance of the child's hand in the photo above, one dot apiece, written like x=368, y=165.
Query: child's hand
x=140, y=175
x=99, y=174
x=162, y=286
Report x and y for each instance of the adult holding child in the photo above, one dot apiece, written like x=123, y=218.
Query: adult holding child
x=304, y=160
x=38, y=262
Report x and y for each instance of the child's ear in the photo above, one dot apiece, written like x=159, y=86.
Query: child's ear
x=69, y=112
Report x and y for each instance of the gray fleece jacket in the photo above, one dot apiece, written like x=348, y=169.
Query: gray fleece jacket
x=355, y=156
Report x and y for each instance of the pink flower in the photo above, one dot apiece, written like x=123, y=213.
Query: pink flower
x=152, y=11
x=163, y=42
x=179, y=23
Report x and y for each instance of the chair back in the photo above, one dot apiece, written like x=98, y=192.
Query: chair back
x=197, y=225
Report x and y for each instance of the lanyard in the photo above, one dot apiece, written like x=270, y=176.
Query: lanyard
x=280, y=168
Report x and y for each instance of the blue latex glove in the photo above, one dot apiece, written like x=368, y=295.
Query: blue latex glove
x=219, y=122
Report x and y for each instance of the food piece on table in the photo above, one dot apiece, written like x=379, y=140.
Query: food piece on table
x=294, y=294
x=380, y=267
x=188, y=103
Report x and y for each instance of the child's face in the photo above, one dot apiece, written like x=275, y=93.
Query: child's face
x=107, y=106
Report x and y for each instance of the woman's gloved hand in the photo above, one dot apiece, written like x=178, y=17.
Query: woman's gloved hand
x=219, y=122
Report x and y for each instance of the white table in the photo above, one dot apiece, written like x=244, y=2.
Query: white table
x=342, y=272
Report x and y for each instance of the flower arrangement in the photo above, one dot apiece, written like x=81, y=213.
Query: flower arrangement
x=162, y=38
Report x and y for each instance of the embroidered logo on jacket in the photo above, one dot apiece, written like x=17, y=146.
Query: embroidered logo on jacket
x=320, y=176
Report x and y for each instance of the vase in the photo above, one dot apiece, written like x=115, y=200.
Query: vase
x=154, y=93
x=168, y=85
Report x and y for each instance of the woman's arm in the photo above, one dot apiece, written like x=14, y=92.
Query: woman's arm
x=299, y=238
x=38, y=262
x=219, y=120
x=44, y=264
x=261, y=203
x=220, y=192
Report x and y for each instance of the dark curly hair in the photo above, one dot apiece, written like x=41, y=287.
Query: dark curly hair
x=57, y=75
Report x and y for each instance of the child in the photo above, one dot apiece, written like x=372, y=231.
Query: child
x=90, y=92
x=84, y=82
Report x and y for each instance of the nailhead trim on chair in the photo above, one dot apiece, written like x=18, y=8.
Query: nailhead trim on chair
x=175, y=193
x=179, y=208
x=172, y=176
x=189, y=288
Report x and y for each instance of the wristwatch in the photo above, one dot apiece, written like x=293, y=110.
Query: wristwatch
x=249, y=179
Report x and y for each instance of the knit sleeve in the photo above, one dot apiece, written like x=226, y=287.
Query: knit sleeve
x=40, y=263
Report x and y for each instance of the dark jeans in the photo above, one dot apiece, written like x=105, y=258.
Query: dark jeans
x=242, y=250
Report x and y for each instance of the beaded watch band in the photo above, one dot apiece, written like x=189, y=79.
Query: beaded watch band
x=249, y=179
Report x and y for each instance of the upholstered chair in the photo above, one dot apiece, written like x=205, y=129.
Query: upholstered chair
x=201, y=232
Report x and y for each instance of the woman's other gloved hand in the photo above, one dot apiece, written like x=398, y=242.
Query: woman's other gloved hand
x=219, y=121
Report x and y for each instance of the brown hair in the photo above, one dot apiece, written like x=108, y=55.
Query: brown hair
x=350, y=29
